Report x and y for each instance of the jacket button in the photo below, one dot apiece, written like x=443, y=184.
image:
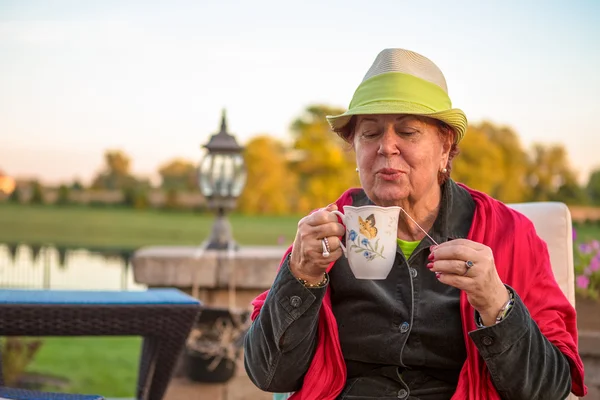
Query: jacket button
x=404, y=327
x=295, y=301
x=402, y=393
x=487, y=341
x=413, y=272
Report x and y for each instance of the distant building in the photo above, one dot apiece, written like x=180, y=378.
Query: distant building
x=7, y=183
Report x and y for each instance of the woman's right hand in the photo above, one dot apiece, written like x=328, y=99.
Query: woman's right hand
x=307, y=261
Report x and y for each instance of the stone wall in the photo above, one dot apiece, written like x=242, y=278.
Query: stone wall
x=218, y=279
x=589, y=349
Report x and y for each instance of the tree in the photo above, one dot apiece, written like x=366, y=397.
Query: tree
x=479, y=163
x=37, y=193
x=513, y=187
x=171, y=200
x=593, y=187
x=136, y=198
x=492, y=160
x=572, y=193
x=178, y=174
x=116, y=173
x=16, y=196
x=117, y=162
x=76, y=185
x=550, y=174
x=325, y=165
x=271, y=187
x=63, y=195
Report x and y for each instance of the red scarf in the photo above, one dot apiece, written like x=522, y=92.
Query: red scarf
x=521, y=258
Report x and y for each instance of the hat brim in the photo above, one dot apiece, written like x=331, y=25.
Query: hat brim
x=454, y=117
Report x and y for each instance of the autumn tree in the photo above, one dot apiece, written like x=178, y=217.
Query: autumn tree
x=178, y=175
x=514, y=165
x=117, y=162
x=493, y=160
x=477, y=165
x=324, y=163
x=271, y=188
x=116, y=173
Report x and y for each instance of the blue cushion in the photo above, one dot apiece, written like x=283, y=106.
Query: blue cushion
x=150, y=296
x=21, y=394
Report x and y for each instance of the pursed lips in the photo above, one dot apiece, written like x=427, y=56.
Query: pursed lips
x=389, y=174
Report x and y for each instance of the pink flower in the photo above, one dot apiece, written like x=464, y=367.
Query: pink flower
x=583, y=282
x=594, y=264
x=574, y=234
x=595, y=245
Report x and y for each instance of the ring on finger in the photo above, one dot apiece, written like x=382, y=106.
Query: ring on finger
x=468, y=265
x=326, y=248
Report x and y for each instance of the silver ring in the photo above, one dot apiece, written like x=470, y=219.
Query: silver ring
x=326, y=248
x=468, y=265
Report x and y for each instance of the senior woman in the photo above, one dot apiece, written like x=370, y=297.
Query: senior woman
x=470, y=309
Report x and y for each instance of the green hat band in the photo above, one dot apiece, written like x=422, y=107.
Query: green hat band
x=392, y=87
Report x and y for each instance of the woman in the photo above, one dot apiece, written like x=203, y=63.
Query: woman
x=470, y=309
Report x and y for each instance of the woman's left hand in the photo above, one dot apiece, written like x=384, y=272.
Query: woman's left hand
x=469, y=266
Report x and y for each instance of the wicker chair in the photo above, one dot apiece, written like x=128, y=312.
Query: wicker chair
x=163, y=317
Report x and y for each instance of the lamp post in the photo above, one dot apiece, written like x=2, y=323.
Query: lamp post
x=221, y=177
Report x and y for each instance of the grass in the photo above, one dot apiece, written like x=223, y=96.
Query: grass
x=98, y=365
x=587, y=232
x=129, y=229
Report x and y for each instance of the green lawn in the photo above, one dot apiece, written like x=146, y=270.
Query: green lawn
x=587, y=232
x=129, y=229
x=106, y=366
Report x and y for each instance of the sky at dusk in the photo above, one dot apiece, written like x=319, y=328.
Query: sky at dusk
x=151, y=77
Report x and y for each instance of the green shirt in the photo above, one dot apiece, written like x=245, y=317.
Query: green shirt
x=407, y=247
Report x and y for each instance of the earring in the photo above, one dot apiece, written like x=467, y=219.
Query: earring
x=356, y=169
x=444, y=170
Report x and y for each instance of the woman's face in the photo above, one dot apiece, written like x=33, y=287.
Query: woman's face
x=399, y=157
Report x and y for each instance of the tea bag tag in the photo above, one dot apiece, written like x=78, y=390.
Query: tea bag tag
x=419, y=226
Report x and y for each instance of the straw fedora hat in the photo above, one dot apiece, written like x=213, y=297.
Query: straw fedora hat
x=403, y=82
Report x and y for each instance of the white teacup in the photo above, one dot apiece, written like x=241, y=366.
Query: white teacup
x=371, y=233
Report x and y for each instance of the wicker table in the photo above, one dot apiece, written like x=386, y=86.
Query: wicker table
x=163, y=317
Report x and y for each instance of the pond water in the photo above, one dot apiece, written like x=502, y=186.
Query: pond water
x=49, y=267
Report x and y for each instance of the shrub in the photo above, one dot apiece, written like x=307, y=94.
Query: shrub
x=17, y=354
x=587, y=267
x=63, y=195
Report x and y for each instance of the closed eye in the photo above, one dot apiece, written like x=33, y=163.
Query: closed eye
x=369, y=135
x=408, y=134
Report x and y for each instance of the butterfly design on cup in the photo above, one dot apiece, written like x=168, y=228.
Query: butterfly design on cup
x=367, y=226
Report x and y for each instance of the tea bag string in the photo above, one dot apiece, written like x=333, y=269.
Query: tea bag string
x=419, y=226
